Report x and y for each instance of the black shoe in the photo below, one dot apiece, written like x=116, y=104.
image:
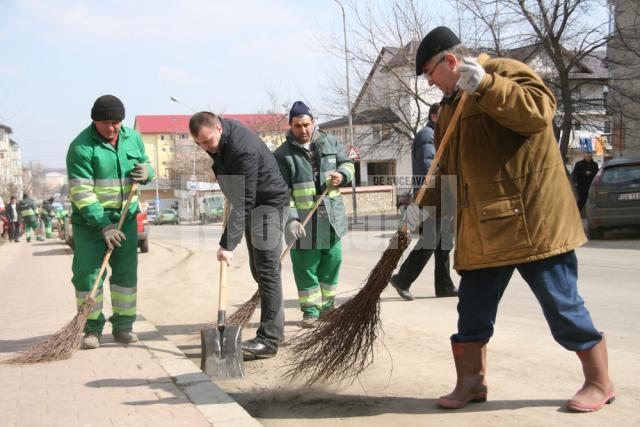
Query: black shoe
x=258, y=349
x=446, y=291
x=404, y=293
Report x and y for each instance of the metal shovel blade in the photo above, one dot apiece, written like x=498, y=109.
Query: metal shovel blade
x=221, y=352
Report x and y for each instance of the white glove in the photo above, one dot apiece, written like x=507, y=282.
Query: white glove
x=415, y=215
x=471, y=74
x=295, y=230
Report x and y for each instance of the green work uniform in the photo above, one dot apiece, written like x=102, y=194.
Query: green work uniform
x=317, y=257
x=28, y=212
x=46, y=213
x=99, y=182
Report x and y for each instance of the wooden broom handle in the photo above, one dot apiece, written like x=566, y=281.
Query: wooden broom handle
x=107, y=255
x=447, y=135
x=306, y=220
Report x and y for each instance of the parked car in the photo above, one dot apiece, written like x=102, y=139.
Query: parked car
x=152, y=214
x=212, y=208
x=614, y=197
x=168, y=216
x=143, y=231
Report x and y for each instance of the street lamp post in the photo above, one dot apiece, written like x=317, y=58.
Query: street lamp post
x=349, y=117
x=194, y=178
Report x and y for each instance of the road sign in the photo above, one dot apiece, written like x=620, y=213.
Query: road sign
x=352, y=153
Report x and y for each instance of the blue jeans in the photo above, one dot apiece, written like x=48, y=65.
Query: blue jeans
x=553, y=282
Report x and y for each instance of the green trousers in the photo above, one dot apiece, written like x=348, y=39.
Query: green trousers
x=30, y=223
x=48, y=229
x=316, y=272
x=88, y=254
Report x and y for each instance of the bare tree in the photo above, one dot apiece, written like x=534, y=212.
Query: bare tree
x=392, y=104
x=568, y=33
x=624, y=61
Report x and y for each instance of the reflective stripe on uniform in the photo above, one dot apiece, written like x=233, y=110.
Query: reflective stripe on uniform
x=110, y=193
x=304, y=194
x=27, y=212
x=97, y=308
x=123, y=300
x=310, y=297
x=328, y=291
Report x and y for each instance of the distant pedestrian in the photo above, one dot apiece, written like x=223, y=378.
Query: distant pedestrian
x=249, y=178
x=103, y=161
x=14, y=221
x=583, y=173
x=311, y=160
x=431, y=230
x=29, y=215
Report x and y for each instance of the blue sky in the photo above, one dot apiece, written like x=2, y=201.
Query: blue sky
x=57, y=57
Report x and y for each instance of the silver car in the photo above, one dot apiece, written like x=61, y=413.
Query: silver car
x=614, y=197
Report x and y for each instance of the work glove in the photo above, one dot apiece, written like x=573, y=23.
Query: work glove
x=334, y=179
x=112, y=236
x=295, y=231
x=140, y=173
x=471, y=74
x=414, y=216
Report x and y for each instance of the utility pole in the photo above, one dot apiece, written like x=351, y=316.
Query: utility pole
x=349, y=117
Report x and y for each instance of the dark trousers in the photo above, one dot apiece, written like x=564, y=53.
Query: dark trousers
x=14, y=230
x=264, y=241
x=583, y=194
x=553, y=282
x=430, y=243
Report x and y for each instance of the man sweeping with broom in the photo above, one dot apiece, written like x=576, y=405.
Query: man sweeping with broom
x=515, y=212
x=310, y=160
x=102, y=163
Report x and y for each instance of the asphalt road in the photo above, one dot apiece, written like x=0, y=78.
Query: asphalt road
x=529, y=375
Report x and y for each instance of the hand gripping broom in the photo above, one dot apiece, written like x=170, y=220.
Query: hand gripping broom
x=243, y=314
x=341, y=347
x=64, y=342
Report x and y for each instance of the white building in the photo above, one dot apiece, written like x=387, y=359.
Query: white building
x=10, y=164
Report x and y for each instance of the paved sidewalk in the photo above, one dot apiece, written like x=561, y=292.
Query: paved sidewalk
x=150, y=383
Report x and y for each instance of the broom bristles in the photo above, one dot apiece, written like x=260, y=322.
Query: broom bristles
x=62, y=344
x=242, y=315
x=341, y=347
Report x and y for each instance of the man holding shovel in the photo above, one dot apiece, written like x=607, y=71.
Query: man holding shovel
x=249, y=178
x=310, y=160
x=102, y=163
x=515, y=211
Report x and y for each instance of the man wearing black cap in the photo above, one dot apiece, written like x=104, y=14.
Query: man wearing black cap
x=102, y=163
x=311, y=160
x=249, y=178
x=515, y=211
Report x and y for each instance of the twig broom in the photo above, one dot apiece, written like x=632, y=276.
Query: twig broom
x=64, y=342
x=341, y=347
x=243, y=314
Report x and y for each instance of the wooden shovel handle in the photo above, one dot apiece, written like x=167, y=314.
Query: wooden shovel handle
x=481, y=59
x=306, y=220
x=107, y=255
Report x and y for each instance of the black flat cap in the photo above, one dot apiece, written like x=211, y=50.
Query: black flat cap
x=438, y=40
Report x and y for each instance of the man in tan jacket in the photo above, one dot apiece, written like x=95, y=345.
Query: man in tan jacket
x=515, y=211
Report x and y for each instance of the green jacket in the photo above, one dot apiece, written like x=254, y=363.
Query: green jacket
x=296, y=168
x=27, y=210
x=99, y=181
x=515, y=203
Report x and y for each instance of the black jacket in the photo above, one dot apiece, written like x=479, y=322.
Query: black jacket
x=583, y=174
x=248, y=176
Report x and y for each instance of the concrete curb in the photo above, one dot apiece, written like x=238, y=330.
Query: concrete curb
x=216, y=405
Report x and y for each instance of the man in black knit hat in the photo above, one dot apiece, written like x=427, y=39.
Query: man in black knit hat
x=103, y=161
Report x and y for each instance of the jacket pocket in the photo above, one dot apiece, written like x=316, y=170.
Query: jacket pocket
x=503, y=225
x=132, y=158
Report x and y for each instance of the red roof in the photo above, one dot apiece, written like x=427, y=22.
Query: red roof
x=180, y=123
